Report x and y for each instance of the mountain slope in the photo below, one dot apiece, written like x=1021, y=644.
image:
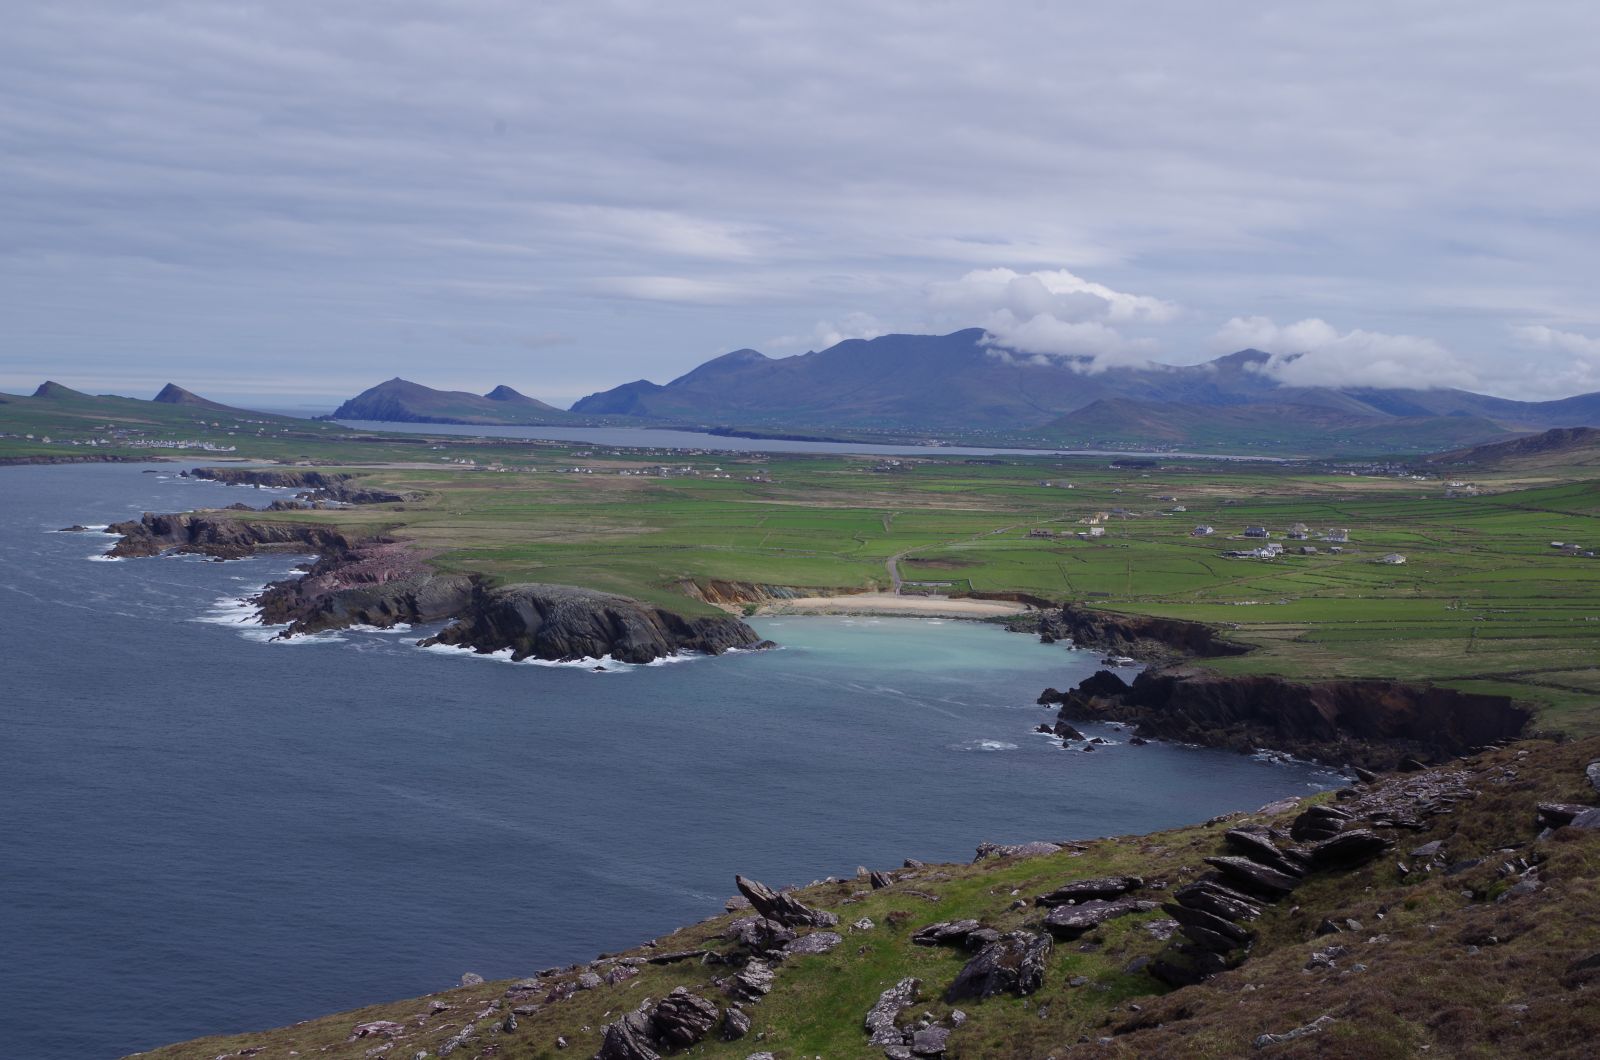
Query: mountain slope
x=402, y=401
x=1118, y=422
x=943, y=383
x=173, y=394
x=1559, y=447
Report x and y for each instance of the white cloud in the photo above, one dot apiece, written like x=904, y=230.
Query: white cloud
x=1312, y=352
x=1058, y=293
x=1052, y=313
x=1090, y=345
x=1553, y=378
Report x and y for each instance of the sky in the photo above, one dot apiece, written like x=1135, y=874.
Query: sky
x=289, y=201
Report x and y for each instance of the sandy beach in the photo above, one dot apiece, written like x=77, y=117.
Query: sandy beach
x=889, y=604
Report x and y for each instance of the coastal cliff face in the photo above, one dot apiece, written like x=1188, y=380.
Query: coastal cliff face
x=220, y=536
x=1140, y=636
x=563, y=622
x=379, y=584
x=321, y=485
x=1375, y=724
x=385, y=583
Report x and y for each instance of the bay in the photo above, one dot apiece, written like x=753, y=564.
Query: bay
x=207, y=830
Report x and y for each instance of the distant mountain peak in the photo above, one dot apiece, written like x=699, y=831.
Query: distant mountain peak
x=52, y=389
x=400, y=400
x=173, y=394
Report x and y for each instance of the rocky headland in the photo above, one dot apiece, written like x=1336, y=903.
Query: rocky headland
x=567, y=622
x=1376, y=724
x=384, y=583
x=1143, y=637
x=1369, y=723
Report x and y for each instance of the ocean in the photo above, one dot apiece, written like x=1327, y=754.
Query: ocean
x=209, y=831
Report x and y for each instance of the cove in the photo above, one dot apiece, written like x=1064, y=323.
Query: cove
x=207, y=831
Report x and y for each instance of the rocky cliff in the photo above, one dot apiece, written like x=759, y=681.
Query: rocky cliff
x=1371, y=723
x=385, y=583
x=320, y=485
x=1143, y=637
x=379, y=584
x=565, y=622
x=215, y=534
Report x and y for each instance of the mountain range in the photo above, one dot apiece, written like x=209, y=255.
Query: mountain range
x=960, y=386
x=402, y=401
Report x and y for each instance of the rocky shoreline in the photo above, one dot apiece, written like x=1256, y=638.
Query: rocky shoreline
x=385, y=583
x=1374, y=724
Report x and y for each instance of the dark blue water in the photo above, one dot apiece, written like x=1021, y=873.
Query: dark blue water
x=204, y=832
x=660, y=438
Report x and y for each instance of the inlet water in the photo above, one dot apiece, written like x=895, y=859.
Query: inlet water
x=208, y=832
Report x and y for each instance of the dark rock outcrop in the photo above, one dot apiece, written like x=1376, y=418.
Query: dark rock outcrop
x=880, y=1025
x=1348, y=849
x=678, y=1021
x=320, y=485
x=220, y=535
x=783, y=908
x=1253, y=878
x=1072, y=921
x=1082, y=890
x=1014, y=964
x=374, y=584
x=1376, y=723
x=566, y=622
x=1137, y=636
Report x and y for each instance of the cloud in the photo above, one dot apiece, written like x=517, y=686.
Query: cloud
x=1058, y=293
x=1052, y=314
x=278, y=180
x=1312, y=352
x=1559, y=378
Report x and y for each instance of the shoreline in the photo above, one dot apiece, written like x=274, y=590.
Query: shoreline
x=890, y=605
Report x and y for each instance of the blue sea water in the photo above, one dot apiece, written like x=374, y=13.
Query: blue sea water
x=206, y=831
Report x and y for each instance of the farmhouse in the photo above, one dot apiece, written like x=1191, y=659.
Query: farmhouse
x=1256, y=531
x=1393, y=559
x=1202, y=531
x=1299, y=532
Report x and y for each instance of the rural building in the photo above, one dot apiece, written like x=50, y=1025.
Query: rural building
x=1256, y=531
x=1299, y=532
x=1393, y=559
x=1202, y=531
x=1336, y=535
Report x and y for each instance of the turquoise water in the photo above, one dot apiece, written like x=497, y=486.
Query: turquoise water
x=206, y=831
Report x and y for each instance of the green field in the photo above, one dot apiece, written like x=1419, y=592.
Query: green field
x=1483, y=601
